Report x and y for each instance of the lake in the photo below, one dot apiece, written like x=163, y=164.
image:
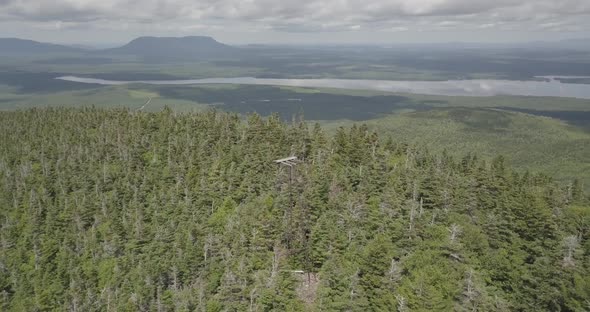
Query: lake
x=550, y=86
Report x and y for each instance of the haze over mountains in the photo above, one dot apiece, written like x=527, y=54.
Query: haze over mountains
x=147, y=47
x=205, y=46
x=16, y=45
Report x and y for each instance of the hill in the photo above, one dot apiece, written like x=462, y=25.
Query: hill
x=192, y=47
x=529, y=142
x=18, y=46
x=127, y=211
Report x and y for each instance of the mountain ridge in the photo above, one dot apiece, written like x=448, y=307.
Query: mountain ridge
x=174, y=47
x=147, y=47
x=18, y=45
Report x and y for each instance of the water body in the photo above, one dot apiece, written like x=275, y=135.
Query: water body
x=550, y=86
x=562, y=77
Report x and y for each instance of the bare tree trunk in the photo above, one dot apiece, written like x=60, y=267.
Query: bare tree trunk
x=454, y=231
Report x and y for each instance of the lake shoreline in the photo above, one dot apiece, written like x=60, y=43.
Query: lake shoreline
x=550, y=87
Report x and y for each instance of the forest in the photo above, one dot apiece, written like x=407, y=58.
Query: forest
x=123, y=210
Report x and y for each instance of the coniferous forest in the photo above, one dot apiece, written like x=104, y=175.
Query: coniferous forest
x=115, y=210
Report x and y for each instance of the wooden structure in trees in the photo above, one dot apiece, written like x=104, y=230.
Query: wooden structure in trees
x=292, y=162
x=289, y=162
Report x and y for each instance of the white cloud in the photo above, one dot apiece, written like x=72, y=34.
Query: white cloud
x=302, y=15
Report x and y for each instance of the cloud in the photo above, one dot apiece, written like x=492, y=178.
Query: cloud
x=303, y=15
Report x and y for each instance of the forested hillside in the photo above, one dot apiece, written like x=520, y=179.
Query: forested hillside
x=113, y=210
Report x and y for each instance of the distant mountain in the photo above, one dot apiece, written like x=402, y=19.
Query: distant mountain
x=175, y=48
x=15, y=45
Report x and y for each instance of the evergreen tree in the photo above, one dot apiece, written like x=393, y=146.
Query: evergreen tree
x=114, y=210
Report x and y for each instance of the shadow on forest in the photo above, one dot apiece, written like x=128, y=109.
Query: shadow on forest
x=35, y=83
x=575, y=118
x=474, y=119
x=27, y=83
x=76, y=61
x=266, y=100
x=481, y=119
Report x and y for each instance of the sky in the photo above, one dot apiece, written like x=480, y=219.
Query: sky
x=110, y=22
